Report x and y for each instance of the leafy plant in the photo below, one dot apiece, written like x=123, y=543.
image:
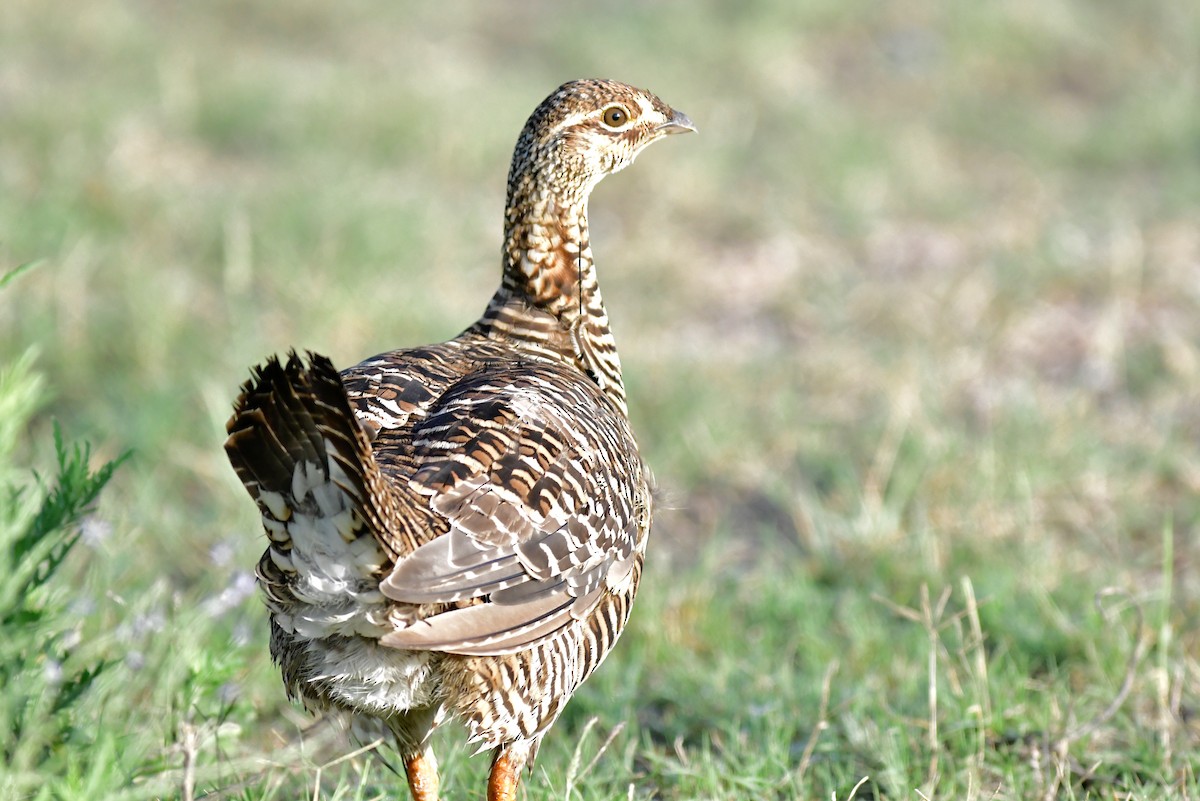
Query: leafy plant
x=41, y=521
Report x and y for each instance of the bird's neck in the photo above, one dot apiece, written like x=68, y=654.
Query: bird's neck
x=549, y=298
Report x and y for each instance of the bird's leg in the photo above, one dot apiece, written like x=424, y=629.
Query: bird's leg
x=506, y=772
x=422, y=775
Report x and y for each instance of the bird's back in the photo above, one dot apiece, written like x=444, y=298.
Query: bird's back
x=515, y=508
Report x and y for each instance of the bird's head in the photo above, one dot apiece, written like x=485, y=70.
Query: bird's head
x=585, y=130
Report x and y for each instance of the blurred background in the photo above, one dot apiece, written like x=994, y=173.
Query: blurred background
x=911, y=331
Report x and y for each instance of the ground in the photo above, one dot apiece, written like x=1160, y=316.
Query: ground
x=911, y=331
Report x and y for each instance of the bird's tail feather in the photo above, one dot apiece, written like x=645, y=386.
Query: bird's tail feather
x=298, y=448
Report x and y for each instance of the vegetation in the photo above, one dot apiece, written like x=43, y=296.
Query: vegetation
x=911, y=329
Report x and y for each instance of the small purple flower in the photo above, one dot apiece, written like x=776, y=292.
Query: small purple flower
x=94, y=531
x=222, y=553
x=81, y=607
x=150, y=622
x=240, y=587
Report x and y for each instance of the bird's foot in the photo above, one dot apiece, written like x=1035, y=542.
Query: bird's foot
x=506, y=773
x=422, y=776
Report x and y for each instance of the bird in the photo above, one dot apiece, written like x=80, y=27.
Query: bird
x=458, y=530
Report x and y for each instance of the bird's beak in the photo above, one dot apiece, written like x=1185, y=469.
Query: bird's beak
x=679, y=123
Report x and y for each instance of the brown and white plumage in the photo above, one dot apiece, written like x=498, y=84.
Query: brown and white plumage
x=459, y=528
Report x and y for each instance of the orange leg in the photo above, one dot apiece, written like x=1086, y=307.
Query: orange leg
x=506, y=773
x=422, y=776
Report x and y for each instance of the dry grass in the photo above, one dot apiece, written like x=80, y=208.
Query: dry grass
x=912, y=333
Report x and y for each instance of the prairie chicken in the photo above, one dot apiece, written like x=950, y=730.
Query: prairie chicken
x=459, y=529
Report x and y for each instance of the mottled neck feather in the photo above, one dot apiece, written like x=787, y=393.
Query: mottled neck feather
x=549, y=298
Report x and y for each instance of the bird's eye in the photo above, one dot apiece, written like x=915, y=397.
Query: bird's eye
x=615, y=116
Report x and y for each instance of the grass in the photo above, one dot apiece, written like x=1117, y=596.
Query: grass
x=911, y=331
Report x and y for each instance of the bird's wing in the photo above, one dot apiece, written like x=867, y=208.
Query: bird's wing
x=540, y=484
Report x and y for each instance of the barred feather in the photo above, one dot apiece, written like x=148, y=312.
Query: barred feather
x=460, y=528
